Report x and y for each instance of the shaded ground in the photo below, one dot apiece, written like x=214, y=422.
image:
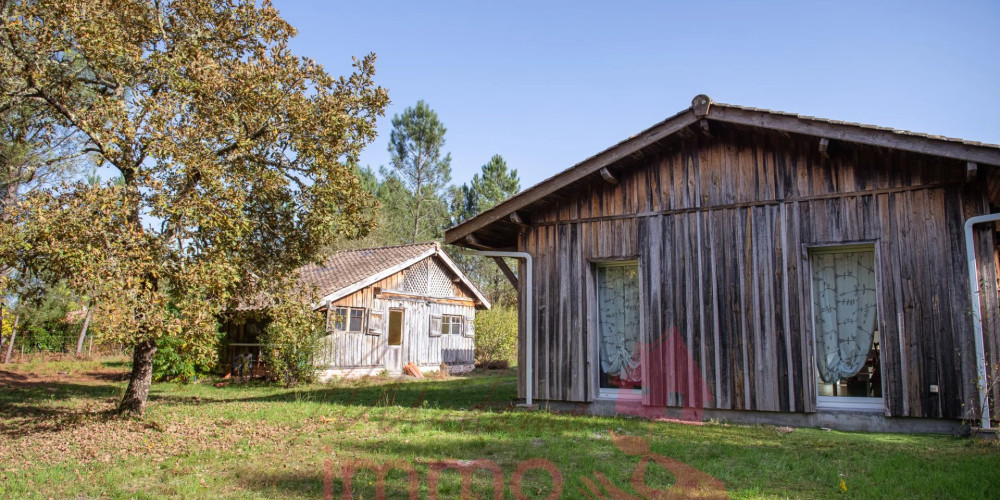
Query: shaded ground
x=26, y=380
x=57, y=439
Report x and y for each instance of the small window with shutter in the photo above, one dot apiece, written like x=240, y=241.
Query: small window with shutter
x=435, y=327
x=470, y=328
x=451, y=324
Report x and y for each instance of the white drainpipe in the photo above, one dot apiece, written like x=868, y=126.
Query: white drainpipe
x=528, y=304
x=977, y=314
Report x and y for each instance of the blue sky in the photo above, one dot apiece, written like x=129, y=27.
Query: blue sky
x=547, y=84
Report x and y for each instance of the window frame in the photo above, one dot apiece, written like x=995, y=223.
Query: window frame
x=855, y=403
x=402, y=327
x=445, y=321
x=376, y=323
x=617, y=394
x=362, y=317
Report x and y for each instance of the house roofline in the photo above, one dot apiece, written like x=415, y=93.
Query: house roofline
x=703, y=108
x=389, y=271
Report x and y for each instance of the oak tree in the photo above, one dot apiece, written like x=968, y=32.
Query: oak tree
x=234, y=155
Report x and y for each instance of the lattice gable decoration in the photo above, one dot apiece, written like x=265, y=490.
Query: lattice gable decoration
x=415, y=278
x=428, y=277
x=438, y=280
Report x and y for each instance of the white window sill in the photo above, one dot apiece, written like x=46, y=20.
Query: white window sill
x=620, y=394
x=849, y=403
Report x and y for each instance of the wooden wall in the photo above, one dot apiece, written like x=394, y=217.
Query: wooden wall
x=347, y=350
x=418, y=346
x=353, y=350
x=720, y=226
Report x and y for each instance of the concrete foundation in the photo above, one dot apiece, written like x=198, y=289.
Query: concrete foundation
x=328, y=374
x=843, y=420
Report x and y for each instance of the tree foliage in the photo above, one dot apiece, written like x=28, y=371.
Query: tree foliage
x=35, y=151
x=44, y=315
x=291, y=339
x=492, y=186
x=488, y=188
x=418, y=162
x=496, y=335
x=180, y=361
x=235, y=157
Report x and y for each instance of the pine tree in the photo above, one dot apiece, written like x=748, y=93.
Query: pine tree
x=417, y=160
x=493, y=185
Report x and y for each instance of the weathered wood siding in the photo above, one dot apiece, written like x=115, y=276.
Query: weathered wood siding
x=419, y=347
x=720, y=226
x=367, y=349
x=353, y=350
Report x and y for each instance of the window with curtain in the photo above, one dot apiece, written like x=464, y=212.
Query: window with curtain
x=845, y=323
x=618, y=329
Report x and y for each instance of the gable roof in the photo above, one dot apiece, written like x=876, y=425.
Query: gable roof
x=703, y=108
x=348, y=271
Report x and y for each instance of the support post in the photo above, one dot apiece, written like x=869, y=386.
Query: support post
x=502, y=264
x=527, y=304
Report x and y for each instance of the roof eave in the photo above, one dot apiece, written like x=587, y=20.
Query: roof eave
x=704, y=108
x=857, y=133
x=592, y=165
x=481, y=300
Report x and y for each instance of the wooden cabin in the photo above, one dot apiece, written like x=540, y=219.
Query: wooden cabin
x=385, y=308
x=759, y=266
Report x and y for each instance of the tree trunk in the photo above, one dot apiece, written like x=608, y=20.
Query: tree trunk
x=418, y=164
x=416, y=222
x=83, y=331
x=1, y=327
x=10, y=341
x=134, y=402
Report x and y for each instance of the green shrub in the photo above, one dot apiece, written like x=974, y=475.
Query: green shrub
x=291, y=340
x=496, y=335
x=175, y=360
x=46, y=337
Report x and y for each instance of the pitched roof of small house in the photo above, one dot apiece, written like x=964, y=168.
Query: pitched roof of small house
x=504, y=218
x=348, y=271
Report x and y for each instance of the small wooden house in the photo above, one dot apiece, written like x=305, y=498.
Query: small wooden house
x=385, y=308
x=761, y=266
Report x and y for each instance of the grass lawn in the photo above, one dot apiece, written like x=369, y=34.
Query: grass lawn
x=257, y=441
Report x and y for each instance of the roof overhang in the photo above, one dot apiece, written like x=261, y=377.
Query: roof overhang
x=704, y=109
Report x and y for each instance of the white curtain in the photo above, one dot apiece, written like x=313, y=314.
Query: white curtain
x=844, y=310
x=618, y=306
